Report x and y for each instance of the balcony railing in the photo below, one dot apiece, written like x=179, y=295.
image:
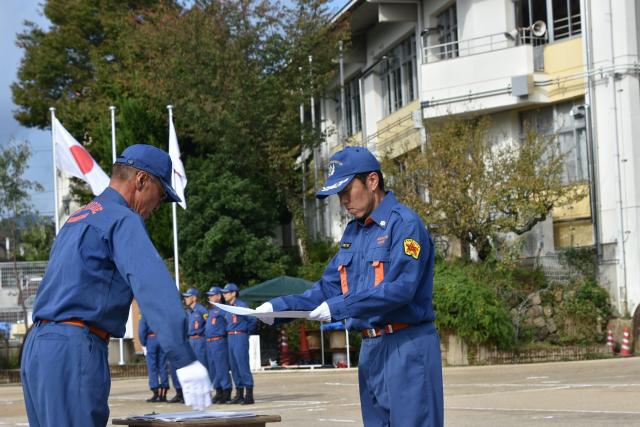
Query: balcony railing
x=480, y=45
x=567, y=27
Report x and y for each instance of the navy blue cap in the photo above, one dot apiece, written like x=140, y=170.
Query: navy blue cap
x=153, y=160
x=344, y=165
x=230, y=287
x=191, y=292
x=214, y=290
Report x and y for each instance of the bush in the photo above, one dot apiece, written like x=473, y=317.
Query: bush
x=584, y=313
x=469, y=307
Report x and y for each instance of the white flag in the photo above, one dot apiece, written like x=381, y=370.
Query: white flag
x=179, y=177
x=72, y=158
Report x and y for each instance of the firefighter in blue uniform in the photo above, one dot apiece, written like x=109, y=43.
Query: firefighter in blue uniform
x=156, y=362
x=238, y=330
x=381, y=280
x=197, y=315
x=217, y=348
x=100, y=260
x=179, y=397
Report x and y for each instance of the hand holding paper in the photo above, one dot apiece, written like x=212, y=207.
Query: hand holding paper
x=321, y=313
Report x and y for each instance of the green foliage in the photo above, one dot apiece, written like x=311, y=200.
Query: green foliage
x=582, y=260
x=585, y=310
x=232, y=72
x=469, y=307
x=479, y=188
x=320, y=253
x=37, y=238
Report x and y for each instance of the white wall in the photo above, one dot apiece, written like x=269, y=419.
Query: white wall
x=617, y=124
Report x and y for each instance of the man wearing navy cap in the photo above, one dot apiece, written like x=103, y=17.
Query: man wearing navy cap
x=197, y=320
x=217, y=348
x=100, y=260
x=238, y=330
x=381, y=281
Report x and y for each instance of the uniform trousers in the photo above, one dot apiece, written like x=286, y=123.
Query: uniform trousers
x=400, y=377
x=239, y=359
x=218, y=358
x=199, y=346
x=156, y=364
x=65, y=376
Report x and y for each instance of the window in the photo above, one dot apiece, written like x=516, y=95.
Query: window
x=399, y=81
x=448, y=27
x=563, y=20
x=569, y=133
x=352, y=107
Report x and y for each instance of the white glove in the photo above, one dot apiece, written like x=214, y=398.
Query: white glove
x=144, y=350
x=196, y=386
x=321, y=313
x=265, y=308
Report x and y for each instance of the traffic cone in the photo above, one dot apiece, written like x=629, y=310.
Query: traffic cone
x=284, y=348
x=304, y=344
x=610, y=342
x=625, y=349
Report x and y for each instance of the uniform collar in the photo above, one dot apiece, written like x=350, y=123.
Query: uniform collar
x=380, y=215
x=113, y=196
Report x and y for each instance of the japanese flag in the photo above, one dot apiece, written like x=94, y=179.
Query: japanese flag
x=72, y=158
x=178, y=177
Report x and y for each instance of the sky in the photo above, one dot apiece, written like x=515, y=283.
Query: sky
x=13, y=13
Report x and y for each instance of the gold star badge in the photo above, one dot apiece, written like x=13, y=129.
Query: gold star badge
x=412, y=248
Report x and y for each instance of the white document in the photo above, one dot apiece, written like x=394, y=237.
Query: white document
x=244, y=311
x=192, y=415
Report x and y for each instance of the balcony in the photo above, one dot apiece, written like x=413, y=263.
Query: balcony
x=486, y=74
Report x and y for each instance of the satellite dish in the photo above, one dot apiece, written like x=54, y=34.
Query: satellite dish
x=538, y=29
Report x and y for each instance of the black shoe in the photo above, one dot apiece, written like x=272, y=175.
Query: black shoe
x=178, y=398
x=239, y=397
x=155, y=396
x=218, y=396
x=226, y=396
x=248, y=397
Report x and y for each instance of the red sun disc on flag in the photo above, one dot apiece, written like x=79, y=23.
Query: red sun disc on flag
x=83, y=159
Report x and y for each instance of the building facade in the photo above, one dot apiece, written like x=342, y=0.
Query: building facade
x=567, y=67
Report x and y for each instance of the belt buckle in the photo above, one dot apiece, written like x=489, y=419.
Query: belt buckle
x=371, y=332
x=388, y=329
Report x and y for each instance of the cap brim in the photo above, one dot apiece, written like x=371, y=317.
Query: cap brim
x=172, y=196
x=334, y=186
x=187, y=295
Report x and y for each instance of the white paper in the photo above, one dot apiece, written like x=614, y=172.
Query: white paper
x=191, y=415
x=244, y=311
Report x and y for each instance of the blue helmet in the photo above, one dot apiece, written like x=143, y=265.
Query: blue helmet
x=230, y=287
x=214, y=290
x=191, y=292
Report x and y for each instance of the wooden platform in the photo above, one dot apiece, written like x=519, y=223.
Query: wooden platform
x=257, y=421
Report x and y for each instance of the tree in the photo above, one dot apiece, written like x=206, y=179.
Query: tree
x=15, y=200
x=467, y=186
x=230, y=69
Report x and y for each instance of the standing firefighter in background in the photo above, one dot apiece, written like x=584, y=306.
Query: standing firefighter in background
x=197, y=315
x=156, y=362
x=217, y=348
x=101, y=259
x=381, y=280
x=238, y=330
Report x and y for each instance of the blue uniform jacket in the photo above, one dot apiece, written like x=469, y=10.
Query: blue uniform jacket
x=100, y=260
x=382, y=273
x=216, y=323
x=143, y=331
x=240, y=323
x=197, y=319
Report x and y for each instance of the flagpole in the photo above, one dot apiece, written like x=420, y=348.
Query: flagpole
x=55, y=171
x=112, y=108
x=174, y=211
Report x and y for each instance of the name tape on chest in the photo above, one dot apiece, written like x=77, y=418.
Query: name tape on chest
x=412, y=248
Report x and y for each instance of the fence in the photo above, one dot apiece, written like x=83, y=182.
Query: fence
x=18, y=285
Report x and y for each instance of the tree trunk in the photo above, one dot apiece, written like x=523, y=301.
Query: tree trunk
x=300, y=228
